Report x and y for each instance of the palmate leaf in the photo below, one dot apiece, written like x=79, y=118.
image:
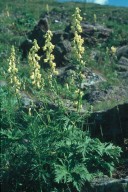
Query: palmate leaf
x=61, y=173
x=81, y=171
x=111, y=150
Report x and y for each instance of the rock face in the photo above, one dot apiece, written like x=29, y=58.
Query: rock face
x=106, y=184
x=122, y=66
x=62, y=39
x=90, y=78
x=111, y=125
x=123, y=61
x=62, y=48
x=92, y=33
x=122, y=51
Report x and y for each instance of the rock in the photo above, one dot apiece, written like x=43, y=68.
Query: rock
x=90, y=77
x=62, y=39
x=25, y=47
x=122, y=51
x=43, y=24
x=92, y=33
x=98, y=30
x=122, y=68
x=111, y=124
x=37, y=33
x=123, y=61
x=62, y=52
x=62, y=48
x=105, y=184
x=3, y=83
x=26, y=100
x=123, y=75
x=95, y=55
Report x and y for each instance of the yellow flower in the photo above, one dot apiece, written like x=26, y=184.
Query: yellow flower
x=29, y=111
x=113, y=49
x=48, y=48
x=32, y=76
x=75, y=104
x=81, y=93
x=55, y=72
x=77, y=91
x=82, y=76
x=12, y=72
x=78, y=41
x=33, y=60
x=67, y=86
x=53, y=65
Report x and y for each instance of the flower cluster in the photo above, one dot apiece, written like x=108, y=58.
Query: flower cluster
x=76, y=19
x=77, y=52
x=12, y=71
x=48, y=48
x=33, y=60
x=79, y=94
x=113, y=49
x=78, y=41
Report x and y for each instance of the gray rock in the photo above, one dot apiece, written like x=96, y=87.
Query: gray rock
x=122, y=68
x=123, y=61
x=3, y=83
x=62, y=52
x=123, y=75
x=111, y=124
x=100, y=30
x=122, y=51
x=60, y=40
x=26, y=100
x=90, y=77
x=109, y=185
x=91, y=33
x=95, y=55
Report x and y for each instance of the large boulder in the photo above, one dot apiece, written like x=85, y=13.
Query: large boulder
x=122, y=51
x=92, y=33
x=111, y=124
x=105, y=184
x=62, y=48
x=123, y=61
x=122, y=64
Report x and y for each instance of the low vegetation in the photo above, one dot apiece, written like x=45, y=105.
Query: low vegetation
x=45, y=145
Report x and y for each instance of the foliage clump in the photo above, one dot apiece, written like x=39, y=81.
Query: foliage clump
x=54, y=154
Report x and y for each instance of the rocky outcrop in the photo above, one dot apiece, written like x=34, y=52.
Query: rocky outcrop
x=96, y=30
x=62, y=39
x=105, y=184
x=122, y=65
x=89, y=76
x=122, y=52
x=123, y=61
x=111, y=124
x=62, y=48
x=92, y=33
